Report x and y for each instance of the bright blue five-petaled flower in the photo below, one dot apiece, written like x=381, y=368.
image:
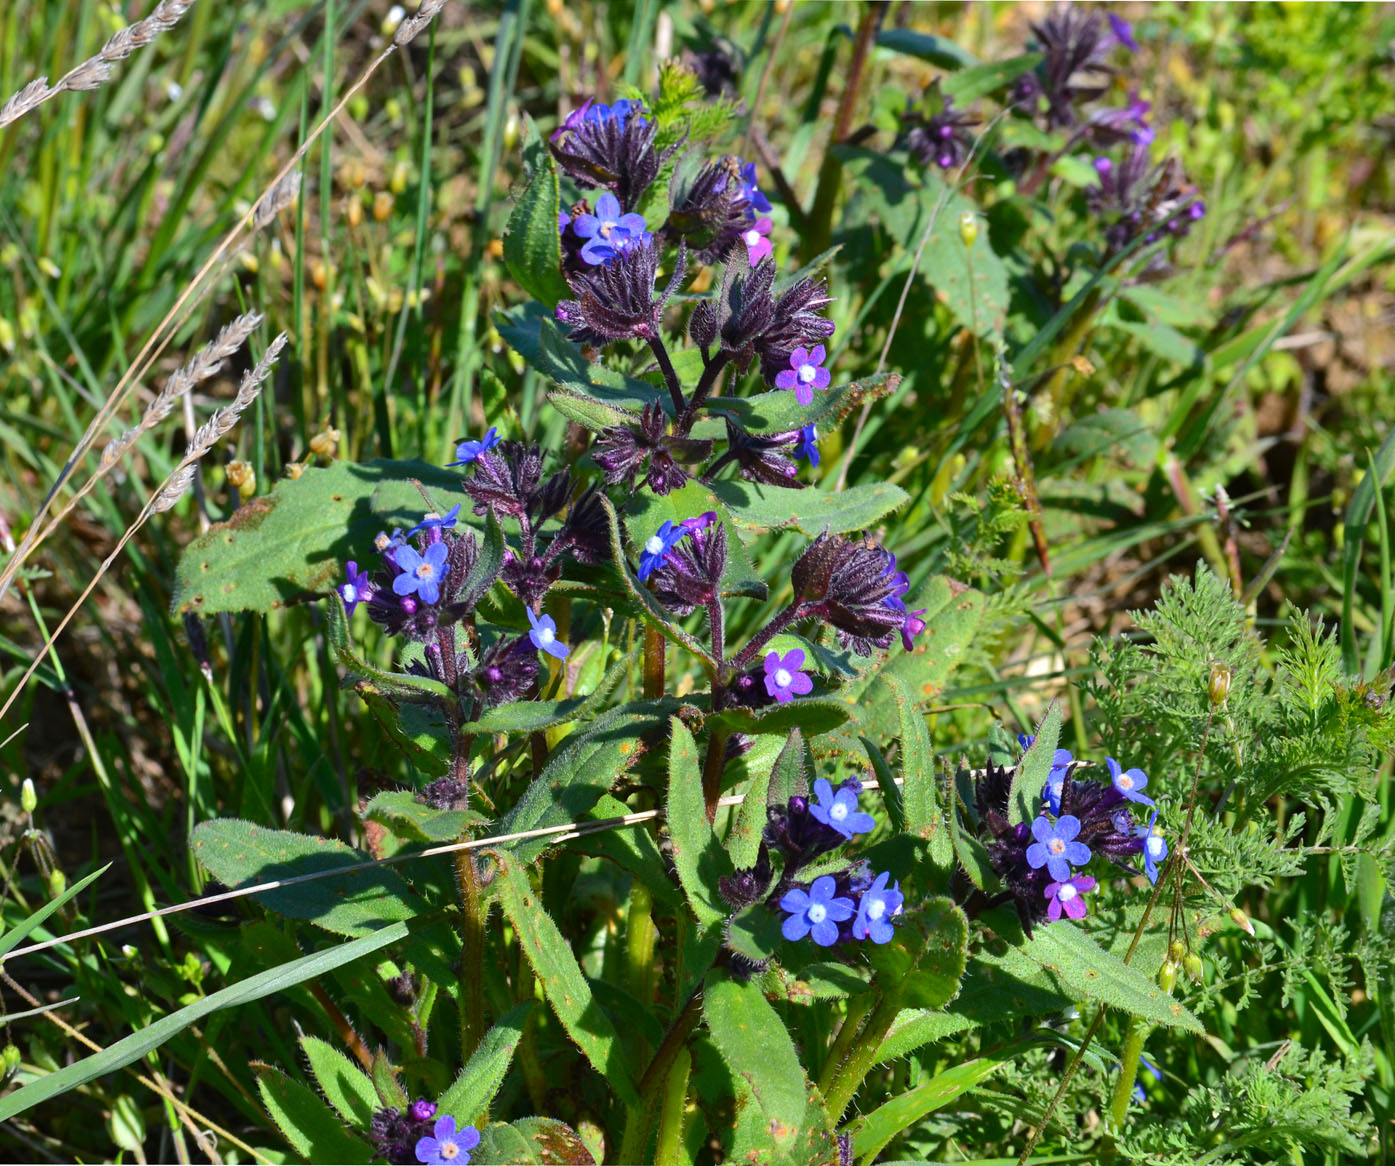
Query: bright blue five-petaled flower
x=422, y=572
x=839, y=810
x=1055, y=847
x=816, y=912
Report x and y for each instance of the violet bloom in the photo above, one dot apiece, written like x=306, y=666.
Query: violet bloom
x=467, y=450
x=1065, y=895
x=758, y=245
x=423, y=1110
x=1154, y=846
x=1055, y=847
x=805, y=374
x=356, y=588
x=807, y=445
x=913, y=626
x=446, y=1146
x=421, y=573
x=656, y=549
x=815, y=912
x=755, y=200
x=544, y=635
x=875, y=910
x=783, y=678
x=1128, y=782
x=437, y=521
x=1123, y=31
x=609, y=231
x=839, y=810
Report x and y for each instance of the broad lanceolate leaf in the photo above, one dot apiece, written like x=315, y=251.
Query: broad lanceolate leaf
x=755, y=1044
x=743, y=843
x=532, y=243
x=697, y=856
x=886, y=782
x=980, y=80
x=632, y=849
x=296, y=539
x=1024, y=800
x=780, y=412
x=310, y=1126
x=563, y=984
x=811, y=511
x=917, y=771
x=972, y=281
x=586, y=765
x=924, y=961
x=143, y=1041
x=401, y=686
x=345, y=1086
x=535, y=336
x=502, y=1143
x=415, y=821
x=355, y=904
x=788, y=777
x=470, y=1094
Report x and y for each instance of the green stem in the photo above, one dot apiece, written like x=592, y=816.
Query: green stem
x=474, y=912
x=641, y=938
x=653, y=663
x=864, y=1057
x=668, y=1150
x=655, y=1078
x=1128, y=1072
x=712, y=770
x=858, y=1007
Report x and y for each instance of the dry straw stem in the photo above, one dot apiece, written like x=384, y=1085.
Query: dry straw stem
x=171, y=490
x=280, y=192
x=94, y=72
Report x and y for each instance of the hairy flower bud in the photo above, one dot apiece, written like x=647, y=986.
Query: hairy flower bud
x=1219, y=688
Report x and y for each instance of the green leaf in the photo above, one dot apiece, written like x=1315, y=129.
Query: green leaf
x=146, y=1040
x=296, y=539
x=743, y=843
x=970, y=854
x=585, y=767
x=632, y=849
x=401, y=686
x=917, y=771
x=977, y=81
x=415, y=821
x=345, y=1086
x=757, y=1048
x=355, y=904
x=647, y=512
x=815, y=981
x=503, y=1143
x=972, y=281
x=470, y=1094
x=891, y=792
x=534, y=335
x=419, y=730
x=593, y=414
x=935, y=49
x=12, y=938
x=780, y=412
x=563, y=984
x=754, y=932
x=532, y=243
x=788, y=777
x=697, y=855
x=310, y=1126
x=924, y=961
x=811, y=512
x=1024, y=799
x=1087, y=971
x=815, y=715
x=556, y=1143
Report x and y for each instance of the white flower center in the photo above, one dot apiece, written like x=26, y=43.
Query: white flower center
x=877, y=909
x=816, y=913
x=838, y=812
x=807, y=372
x=1066, y=893
x=350, y=593
x=449, y=1151
x=1155, y=846
x=606, y=228
x=1056, y=846
x=654, y=545
x=1124, y=781
x=425, y=571
x=546, y=635
x=752, y=237
x=1056, y=787
x=783, y=679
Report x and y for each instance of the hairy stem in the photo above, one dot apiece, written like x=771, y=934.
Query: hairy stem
x=858, y=1007
x=675, y=389
x=1026, y=482
x=474, y=913
x=641, y=938
x=864, y=1058
x=791, y=614
x=653, y=663
x=1128, y=1072
x=651, y=1085
x=712, y=770
x=668, y=1150
x=705, y=385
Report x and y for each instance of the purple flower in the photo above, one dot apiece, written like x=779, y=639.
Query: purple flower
x=1064, y=895
x=423, y=1110
x=875, y=910
x=755, y=200
x=900, y=584
x=839, y=810
x=609, y=232
x=1061, y=761
x=805, y=374
x=913, y=626
x=544, y=635
x=421, y=573
x=758, y=245
x=807, y=446
x=1123, y=31
x=1138, y=1094
x=783, y=678
x=1128, y=782
x=1055, y=847
x=356, y=587
x=386, y=543
x=467, y=450
x=434, y=522
x=446, y=1146
x=816, y=912
x=1154, y=846
x=657, y=548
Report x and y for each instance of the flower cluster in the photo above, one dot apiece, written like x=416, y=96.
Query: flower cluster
x=418, y=1137
x=1137, y=198
x=1041, y=862
x=943, y=138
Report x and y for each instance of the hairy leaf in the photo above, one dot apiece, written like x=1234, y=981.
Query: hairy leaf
x=532, y=243
x=697, y=855
x=471, y=1092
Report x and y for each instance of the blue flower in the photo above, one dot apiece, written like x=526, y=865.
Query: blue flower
x=783, y=678
x=839, y=810
x=356, y=587
x=875, y=910
x=816, y=912
x=609, y=231
x=467, y=451
x=807, y=446
x=900, y=584
x=1154, y=846
x=1055, y=847
x=756, y=202
x=1061, y=761
x=445, y=1146
x=421, y=573
x=1128, y=782
x=657, y=548
x=437, y=521
x=386, y=543
x=1123, y=31
x=544, y=635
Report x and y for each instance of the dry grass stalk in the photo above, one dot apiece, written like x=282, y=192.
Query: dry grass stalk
x=94, y=72
x=220, y=424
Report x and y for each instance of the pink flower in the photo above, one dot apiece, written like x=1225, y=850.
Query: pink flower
x=1066, y=896
x=757, y=245
x=805, y=374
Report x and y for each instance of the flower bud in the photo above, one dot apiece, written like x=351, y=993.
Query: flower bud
x=1193, y=967
x=1241, y=920
x=1176, y=950
x=241, y=475
x=382, y=206
x=1167, y=975
x=968, y=228
x=325, y=442
x=353, y=210
x=9, y=1062
x=294, y=470
x=28, y=798
x=57, y=882
x=1219, y=688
